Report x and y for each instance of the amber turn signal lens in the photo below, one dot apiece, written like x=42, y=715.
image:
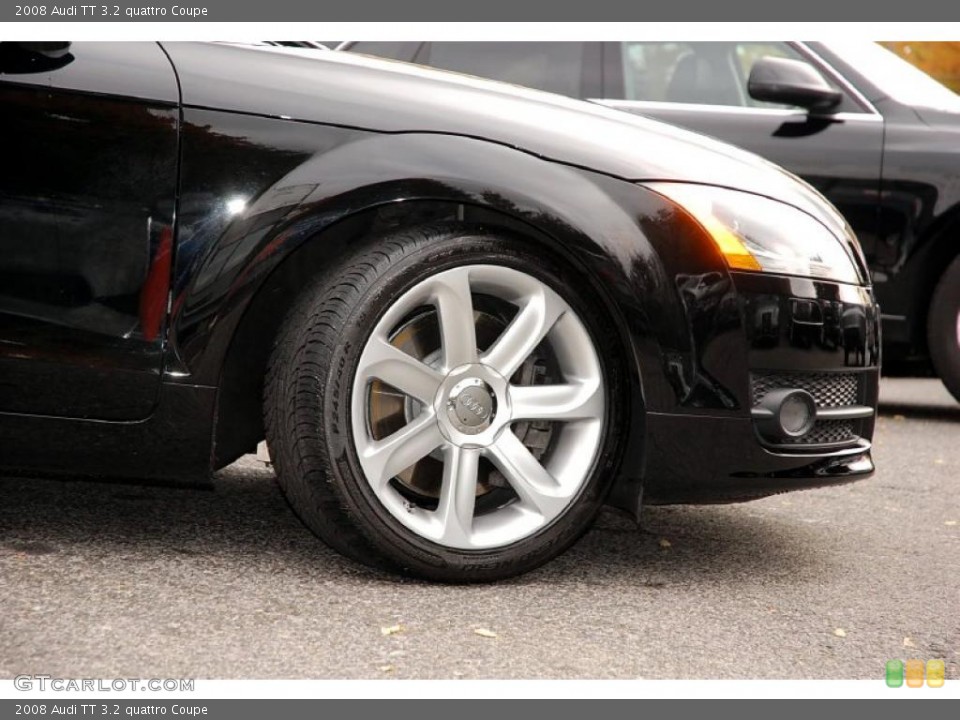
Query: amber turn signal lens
x=737, y=255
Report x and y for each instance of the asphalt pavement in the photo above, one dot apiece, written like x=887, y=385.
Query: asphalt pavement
x=101, y=580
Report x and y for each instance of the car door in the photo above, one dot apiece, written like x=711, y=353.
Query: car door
x=87, y=194
x=703, y=86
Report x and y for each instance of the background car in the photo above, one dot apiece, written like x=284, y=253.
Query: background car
x=303, y=44
x=876, y=136
x=464, y=315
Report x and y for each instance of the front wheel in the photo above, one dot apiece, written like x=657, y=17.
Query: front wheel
x=440, y=405
x=943, y=328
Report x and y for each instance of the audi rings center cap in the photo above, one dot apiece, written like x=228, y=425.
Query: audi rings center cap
x=471, y=406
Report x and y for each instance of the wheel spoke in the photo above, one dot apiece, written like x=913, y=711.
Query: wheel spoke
x=458, y=495
x=578, y=401
x=382, y=459
x=458, y=333
x=525, y=332
x=393, y=366
x=536, y=487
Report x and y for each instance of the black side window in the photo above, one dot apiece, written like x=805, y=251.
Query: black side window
x=701, y=72
x=556, y=67
x=704, y=73
x=393, y=50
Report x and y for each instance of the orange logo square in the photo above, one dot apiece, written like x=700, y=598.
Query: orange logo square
x=914, y=673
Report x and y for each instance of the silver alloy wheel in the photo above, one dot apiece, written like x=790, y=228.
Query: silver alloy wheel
x=468, y=406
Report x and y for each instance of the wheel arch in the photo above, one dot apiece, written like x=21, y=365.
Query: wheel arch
x=239, y=424
x=941, y=249
x=396, y=181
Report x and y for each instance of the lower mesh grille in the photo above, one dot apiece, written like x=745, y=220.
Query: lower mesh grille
x=827, y=432
x=829, y=390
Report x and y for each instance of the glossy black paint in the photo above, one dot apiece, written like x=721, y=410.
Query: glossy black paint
x=789, y=323
x=286, y=163
x=888, y=166
x=87, y=201
x=889, y=171
x=244, y=80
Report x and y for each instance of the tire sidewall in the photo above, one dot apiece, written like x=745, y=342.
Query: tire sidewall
x=942, y=328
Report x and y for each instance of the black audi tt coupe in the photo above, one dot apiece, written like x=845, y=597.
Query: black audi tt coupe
x=463, y=315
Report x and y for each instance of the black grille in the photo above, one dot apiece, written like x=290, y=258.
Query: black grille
x=827, y=389
x=826, y=432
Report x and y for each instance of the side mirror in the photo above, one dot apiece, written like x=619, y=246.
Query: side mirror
x=791, y=82
x=53, y=50
x=25, y=58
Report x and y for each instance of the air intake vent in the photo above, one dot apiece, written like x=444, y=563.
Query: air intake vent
x=829, y=391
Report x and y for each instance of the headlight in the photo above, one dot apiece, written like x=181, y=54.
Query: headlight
x=757, y=234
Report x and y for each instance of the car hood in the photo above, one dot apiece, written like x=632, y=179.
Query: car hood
x=387, y=96
x=940, y=118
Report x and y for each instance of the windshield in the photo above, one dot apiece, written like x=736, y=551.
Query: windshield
x=896, y=77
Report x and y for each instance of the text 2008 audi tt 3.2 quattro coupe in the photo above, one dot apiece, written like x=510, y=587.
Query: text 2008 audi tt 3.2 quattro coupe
x=463, y=315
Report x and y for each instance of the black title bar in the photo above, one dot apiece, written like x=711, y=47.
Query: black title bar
x=489, y=11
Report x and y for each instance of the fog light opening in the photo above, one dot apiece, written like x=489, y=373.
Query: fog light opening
x=797, y=414
x=785, y=414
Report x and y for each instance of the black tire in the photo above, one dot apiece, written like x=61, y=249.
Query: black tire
x=309, y=385
x=943, y=328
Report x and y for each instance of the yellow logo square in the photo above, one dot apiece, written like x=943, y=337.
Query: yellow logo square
x=935, y=673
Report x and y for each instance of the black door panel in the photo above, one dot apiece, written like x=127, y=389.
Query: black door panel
x=87, y=198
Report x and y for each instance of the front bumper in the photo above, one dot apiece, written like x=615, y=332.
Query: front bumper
x=785, y=332
x=717, y=460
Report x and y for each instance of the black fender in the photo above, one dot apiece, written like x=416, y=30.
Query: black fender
x=295, y=184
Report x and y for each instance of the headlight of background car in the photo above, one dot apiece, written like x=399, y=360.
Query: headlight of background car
x=758, y=234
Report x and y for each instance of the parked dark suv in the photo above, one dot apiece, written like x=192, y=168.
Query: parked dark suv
x=875, y=135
